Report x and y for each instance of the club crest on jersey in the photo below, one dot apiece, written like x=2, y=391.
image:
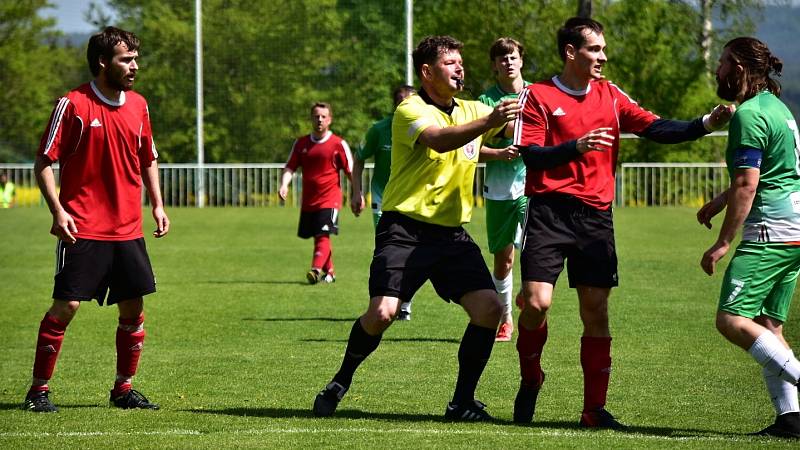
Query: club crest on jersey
x=470, y=150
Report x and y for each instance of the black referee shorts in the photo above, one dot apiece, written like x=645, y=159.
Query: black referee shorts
x=90, y=269
x=408, y=252
x=560, y=227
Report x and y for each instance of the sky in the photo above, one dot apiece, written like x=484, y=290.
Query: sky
x=69, y=14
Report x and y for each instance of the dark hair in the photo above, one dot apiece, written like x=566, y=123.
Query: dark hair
x=758, y=62
x=504, y=46
x=401, y=92
x=574, y=33
x=101, y=45
x=322, y=105
x=428, y=51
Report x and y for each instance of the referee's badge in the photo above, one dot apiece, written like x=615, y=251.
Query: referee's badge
x=470, y=150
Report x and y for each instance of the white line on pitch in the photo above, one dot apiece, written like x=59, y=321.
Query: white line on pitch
x=264, y=431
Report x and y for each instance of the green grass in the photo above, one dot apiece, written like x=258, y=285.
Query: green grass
x=238, y=345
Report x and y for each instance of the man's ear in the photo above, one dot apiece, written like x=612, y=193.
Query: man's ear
x=425, y=71
x=570, y=51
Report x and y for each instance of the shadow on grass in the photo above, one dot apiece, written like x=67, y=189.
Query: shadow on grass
x=301, y=319
x=13, y=406
x=289, y=413
x=677, y=433
x=304, y=283
x=439, y=340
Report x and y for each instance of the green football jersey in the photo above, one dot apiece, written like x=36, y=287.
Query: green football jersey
x=764, y=122
x=504, y=180
x=378, y=145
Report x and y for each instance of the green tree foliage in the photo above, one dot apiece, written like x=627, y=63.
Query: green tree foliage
x=266, y=62
x=34, y=71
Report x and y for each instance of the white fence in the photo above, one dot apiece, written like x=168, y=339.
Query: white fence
x=256, y=185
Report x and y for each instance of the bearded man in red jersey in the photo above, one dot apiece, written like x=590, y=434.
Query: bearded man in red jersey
x=100, y=135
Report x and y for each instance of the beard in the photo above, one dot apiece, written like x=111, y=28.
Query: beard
x=118, y=80
x=728, y=88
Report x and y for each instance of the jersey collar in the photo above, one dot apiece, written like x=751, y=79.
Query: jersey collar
x=107, y=100
x=323, y=139
x=425, y=97
x=569, y=91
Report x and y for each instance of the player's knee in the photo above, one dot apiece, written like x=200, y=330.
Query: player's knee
x=725, y=323
x=64, y=310
x=379, y=318
x=536, y=304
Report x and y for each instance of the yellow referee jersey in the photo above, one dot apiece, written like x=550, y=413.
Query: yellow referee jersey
x=426, y=185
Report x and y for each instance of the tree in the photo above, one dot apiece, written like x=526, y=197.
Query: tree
x=34, y=71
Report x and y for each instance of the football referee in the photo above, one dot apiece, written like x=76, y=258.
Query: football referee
x=436, y=140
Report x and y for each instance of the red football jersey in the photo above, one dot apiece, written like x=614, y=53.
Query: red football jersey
x=321, y=161
x=101, y=146
x=553, y=114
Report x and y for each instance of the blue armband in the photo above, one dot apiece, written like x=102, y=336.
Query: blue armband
x=747, y=158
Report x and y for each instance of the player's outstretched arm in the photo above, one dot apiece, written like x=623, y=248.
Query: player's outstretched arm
x=498, y=154
x=445, y=139
x=669, y=131
x=540, y=158
x=150, y=180
x=63, y=224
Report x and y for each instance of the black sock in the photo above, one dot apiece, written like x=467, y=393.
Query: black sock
x=359, y=346
x=473, y=354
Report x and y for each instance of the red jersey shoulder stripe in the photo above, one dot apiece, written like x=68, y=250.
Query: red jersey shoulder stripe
x=55, y=122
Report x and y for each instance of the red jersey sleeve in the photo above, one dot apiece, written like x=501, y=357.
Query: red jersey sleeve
x=531, y=125
x=147, y=146
x=61, y=132
x=632, y=117
x=343, y=159
x=294, y=158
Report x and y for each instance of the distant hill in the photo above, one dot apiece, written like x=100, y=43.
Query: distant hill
x=74, y=39
x=779, y=31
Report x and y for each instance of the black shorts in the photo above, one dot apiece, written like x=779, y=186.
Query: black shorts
x=559, y=227
x=89, y=269
x=315, y=223
x=409, y=252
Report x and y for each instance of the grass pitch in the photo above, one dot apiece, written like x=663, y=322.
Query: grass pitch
x=238, y=345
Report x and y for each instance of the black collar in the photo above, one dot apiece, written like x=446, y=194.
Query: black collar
x=427, y=98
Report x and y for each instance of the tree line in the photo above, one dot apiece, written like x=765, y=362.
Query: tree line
x=265, y=63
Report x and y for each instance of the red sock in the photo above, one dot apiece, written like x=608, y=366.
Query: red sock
x=322, y=251
x=130, y=339
x=596, y=363
x=328, y=266
x=530, y=344
x=48, y=346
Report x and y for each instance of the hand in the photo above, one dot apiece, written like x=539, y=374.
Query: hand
x=596, y=140
x=711, y=209
x=505, y=111
x=712, y=255
x=509, y=153
x=63, y=227
x=357, y=204
x=162, y=222
x=720, y=115
x=283, y=191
